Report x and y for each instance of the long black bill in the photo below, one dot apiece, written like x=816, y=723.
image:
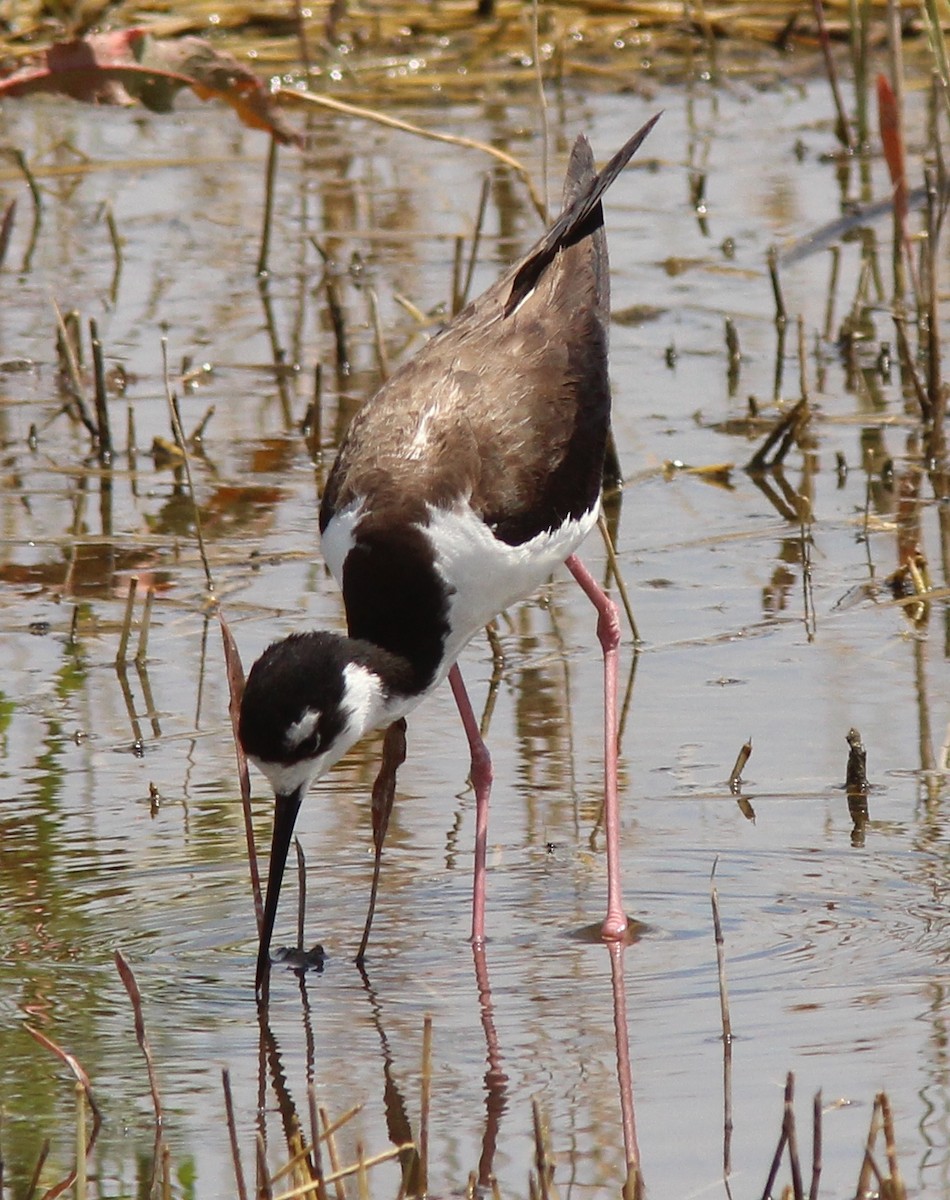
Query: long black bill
x=285, y=815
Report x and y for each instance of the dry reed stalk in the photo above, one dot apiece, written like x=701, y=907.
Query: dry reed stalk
x=735, y=775
x=335, y=309
x=121, y=655
x=815, y=1147
x=82, y=1080
x=726, y=1025
x=379, y=344
x=69, y=360
x=135, y=996
x=315, y=1141
x=141, y=652
x=270, y=179
x=116, y=241
x=235, y=676
x=614, y=564
x=384, y=795
x=80, y=1143
x=103, y=432
x=781, y=314
x=792, y=1138
x=37, y=1170
x=779, y=1149
x=6, y=230
x=180, y=440
x=315, y=424
x=424, y=1100
x=328, y=1137
x=843, y=128
x=232, y=1135
x=337, y=1176
x=461, y=299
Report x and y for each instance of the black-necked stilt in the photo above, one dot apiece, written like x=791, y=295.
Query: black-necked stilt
x=472, y=473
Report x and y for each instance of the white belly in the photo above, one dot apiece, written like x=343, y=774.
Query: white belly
x=488, y=575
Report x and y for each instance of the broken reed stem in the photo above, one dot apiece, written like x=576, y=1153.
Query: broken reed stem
x=68, y=356
x=135, y=997
x=269, y=181
x=542, y=104
x=335, y=308
x=781, y=314
x=542, y=1158
x=38, y=1170
x=122, y=653
x=792, y=1138
x=20, y=159
x=384, y=795
x=802, y=361
x=235, y=676
x=379, y=344
x=896, y=1179
x=142, y=652
x=116, y=241
x=456, y=302
x=815, y=1147
x=6, y=229
x=337, y=1176
x=362, y=1180
x=315, y=1141
x=735, y=775
x=315, y=432
x=936, y=393
x=868, y=1167
x=777, y=1156
x=180, y=439
x=265, y=1190
x=80, y=1142
x=843, y=129
x=232, y=1134
x=334, y=1157
x=476, y=241
x=103, y=432
x=618, y=576
x=424, y=1099
x=726, y=1021
x=720, y=958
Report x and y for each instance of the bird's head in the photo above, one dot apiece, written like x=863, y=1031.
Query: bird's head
x=307, y=700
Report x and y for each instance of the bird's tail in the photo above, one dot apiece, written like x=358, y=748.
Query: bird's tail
x=582, y=213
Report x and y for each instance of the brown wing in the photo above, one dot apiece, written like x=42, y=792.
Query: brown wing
x=510, y=404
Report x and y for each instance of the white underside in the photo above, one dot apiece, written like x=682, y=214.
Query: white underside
x=485, y=575
x=489, y=575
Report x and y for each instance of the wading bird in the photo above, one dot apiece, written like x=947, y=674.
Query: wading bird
x=460, y=486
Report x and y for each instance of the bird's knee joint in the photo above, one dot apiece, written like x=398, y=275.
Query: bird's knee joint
x=608, y=626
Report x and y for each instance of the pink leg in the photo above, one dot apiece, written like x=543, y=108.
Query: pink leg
x=481, y=781
x=608, y=632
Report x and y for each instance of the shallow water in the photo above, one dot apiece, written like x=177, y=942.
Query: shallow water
x=120, y=824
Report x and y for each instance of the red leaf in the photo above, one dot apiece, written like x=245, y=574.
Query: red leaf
x=128, y=65
x=892, y=139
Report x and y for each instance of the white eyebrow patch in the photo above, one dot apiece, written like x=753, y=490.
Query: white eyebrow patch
x=300, y=730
